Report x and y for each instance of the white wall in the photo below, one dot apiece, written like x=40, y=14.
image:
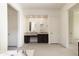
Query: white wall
x=54, y=29
x=26, y=25
x=65, y=24
x=53, y=22
x=3, y=27
x=76, y=25
x=70, y=26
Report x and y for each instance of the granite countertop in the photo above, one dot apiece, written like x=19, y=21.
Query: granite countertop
x=31, y=33
x=35, y=33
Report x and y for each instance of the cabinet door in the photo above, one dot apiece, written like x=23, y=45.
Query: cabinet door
x=42, y=38
x=45, y=38
x=26, y=39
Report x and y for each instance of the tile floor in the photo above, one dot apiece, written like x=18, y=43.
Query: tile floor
x=51, y=49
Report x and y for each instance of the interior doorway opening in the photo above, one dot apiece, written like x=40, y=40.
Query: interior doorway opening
x=74, y=27
x=12, y=27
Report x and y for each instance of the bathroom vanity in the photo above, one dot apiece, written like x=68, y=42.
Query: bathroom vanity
x=41, y=37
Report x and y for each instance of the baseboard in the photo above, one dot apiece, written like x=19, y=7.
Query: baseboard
x=12, y=46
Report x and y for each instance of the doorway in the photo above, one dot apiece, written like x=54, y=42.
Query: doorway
x=12, y=28
x=74, y=24
x=74, y=27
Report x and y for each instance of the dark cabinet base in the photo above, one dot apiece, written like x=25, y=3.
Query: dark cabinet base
x=26, y=39
x=41, y=38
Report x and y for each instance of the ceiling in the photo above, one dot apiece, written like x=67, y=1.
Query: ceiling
x=41, y=5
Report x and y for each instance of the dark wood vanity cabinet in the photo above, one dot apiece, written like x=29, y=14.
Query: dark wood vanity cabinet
x=42, y=38
x=26, y=39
